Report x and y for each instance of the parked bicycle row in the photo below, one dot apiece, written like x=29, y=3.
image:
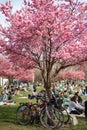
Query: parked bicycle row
x=51, y=114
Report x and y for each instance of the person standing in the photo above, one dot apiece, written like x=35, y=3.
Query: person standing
x=86, y=110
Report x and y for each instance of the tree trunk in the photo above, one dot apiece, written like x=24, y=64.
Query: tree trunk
x=49, y=93
x=50, y=122
x=47, y=86
x=10, y=80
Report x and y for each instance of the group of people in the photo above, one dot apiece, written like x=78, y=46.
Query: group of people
x=75, y=102
x=76, y=105
x=6, y=95
x=5, y=98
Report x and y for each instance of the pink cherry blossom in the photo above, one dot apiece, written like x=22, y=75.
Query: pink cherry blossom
x=45, y=35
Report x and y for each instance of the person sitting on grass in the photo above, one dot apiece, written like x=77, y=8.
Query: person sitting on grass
x=86, y=110
x=9, y=98
x=3, y=97
x=74, y=106
x=79, y=97
x=34, y=94
x=17, y=92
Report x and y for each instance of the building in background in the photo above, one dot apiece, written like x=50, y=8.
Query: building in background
x=3, y=81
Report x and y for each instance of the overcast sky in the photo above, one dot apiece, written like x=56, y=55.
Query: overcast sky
x=17, y=4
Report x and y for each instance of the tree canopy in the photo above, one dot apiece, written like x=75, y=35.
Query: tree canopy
x=46, y=34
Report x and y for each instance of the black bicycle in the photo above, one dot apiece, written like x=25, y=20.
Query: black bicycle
x=26, y=113
x=44, y=113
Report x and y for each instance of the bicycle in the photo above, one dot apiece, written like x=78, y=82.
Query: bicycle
x=49, y=116
x=62, y=108
x=27, y=113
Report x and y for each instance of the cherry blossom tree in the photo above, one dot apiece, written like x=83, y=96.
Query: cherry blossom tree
x=72, y=75
x=8, y=70
x=49, y=35
x=83, y=67
x=23, y=74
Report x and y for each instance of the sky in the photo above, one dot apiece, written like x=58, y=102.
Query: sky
x=17, y=4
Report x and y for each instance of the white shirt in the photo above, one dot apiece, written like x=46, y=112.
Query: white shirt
x=73, y=105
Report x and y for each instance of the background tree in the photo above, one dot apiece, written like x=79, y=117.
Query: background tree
x=72, y=75
x=83, y=67
x=45, y=34
x=8, y=70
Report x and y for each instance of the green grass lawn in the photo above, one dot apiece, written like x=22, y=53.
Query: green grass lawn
x=8, y=121
x=8, y=118
x=8, y=115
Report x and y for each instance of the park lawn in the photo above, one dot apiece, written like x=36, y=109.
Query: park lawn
x=8, y=117
x=8, y=121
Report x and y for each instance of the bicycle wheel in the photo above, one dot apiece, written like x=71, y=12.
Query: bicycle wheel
x=66, y=115
x=23, y=115
x=50, y=118
x=56, y=116
x=35, y=108
x=44, y=118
